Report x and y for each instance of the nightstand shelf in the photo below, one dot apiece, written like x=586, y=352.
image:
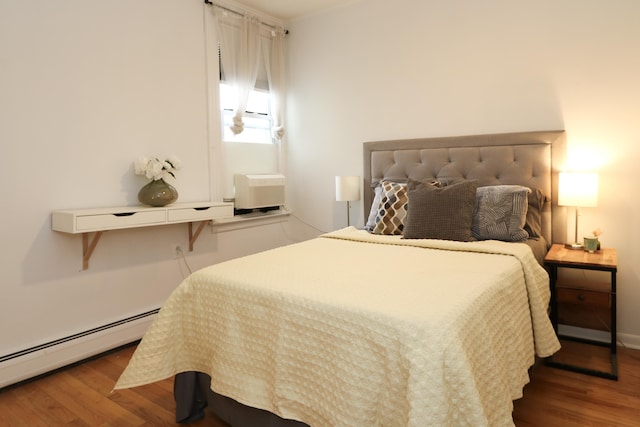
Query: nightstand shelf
x=587, y=304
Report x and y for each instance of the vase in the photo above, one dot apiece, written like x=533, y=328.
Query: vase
x=157, y=193
x=591, y=244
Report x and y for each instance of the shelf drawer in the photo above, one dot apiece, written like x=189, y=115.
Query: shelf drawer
x=200, y=213
x=583, y=297
x=120, y=220
x=584, y=309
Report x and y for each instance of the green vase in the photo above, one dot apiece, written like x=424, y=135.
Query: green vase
x=157, y=193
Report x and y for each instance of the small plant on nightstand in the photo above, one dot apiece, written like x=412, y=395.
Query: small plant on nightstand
x=596, y=233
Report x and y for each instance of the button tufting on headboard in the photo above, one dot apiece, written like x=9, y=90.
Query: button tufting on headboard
x=525, y=158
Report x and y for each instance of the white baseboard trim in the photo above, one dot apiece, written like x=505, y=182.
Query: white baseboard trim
x=40, y=361
x=629, y=341
x=626, y=340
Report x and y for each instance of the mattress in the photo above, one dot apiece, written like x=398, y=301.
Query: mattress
x=361, y=330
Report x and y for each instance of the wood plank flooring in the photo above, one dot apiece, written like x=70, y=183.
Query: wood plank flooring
x=82, y=396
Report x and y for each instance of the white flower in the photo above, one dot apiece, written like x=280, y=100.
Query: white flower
x=174, y=162
x=140, y=165
x=154, y=168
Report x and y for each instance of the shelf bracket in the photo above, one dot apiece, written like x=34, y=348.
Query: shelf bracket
x=194, y=236
x=88, y=247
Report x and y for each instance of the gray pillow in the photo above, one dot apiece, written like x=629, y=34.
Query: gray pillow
x=501, y=213
x=537, y=200
x=444, y=213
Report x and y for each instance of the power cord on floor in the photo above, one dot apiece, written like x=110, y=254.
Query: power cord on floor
x=618, y=340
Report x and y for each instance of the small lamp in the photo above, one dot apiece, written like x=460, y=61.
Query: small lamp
x=577, y=189
x=347, y=190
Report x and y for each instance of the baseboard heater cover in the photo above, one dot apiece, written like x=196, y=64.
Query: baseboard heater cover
x=40, y=359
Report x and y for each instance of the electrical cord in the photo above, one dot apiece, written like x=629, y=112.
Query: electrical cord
x=182, y=257
x=606, y=326
x=291, y=238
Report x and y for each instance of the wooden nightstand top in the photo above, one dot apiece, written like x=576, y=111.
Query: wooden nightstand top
x=604, y=259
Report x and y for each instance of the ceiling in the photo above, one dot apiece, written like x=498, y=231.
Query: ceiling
x=291, y=9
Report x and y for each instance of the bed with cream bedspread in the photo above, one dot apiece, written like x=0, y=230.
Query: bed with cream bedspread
x=369, y=331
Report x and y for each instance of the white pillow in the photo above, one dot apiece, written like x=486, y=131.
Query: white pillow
x=371, y=221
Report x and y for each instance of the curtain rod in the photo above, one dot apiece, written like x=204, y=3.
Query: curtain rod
x=210, y=3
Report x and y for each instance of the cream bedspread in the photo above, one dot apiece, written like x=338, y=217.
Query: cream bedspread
x=352, y=329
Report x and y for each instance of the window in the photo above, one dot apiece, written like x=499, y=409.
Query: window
x=257, y=149
x=257, y=117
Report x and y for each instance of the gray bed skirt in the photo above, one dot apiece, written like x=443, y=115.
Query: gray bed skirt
x=192, y=395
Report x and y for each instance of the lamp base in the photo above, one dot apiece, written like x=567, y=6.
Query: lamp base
x=576, y=246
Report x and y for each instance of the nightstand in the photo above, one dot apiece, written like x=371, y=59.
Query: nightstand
x=588, y=304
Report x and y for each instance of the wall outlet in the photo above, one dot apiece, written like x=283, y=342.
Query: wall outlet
x=177, y=250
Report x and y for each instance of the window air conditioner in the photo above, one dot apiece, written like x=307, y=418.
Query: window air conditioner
x=259, y=191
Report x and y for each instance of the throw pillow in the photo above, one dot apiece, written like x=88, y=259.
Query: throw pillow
x=444, y=213
x=501, y=212
x=392, y=209
x=537, y=200
x=375, y=206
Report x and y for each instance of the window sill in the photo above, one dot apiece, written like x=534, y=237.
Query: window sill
x=253, y=219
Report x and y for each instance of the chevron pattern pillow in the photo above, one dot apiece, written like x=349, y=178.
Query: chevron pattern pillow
x=501, y=213
x=392, y=209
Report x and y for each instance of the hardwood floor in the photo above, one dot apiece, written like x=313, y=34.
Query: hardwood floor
x=556, y=397
x=82, y=396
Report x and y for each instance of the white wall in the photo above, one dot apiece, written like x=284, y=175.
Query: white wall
x=376, y=70
x=87, y=86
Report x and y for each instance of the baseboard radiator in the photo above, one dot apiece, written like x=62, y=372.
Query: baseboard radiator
x=34, y=361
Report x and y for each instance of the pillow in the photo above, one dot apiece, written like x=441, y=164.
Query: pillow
x=501, y=212
x=533, y=226
x=373, y=212
x=412, y=184
x=444, y=213
x=392, y=210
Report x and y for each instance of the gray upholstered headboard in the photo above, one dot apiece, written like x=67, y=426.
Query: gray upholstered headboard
x=532, y=159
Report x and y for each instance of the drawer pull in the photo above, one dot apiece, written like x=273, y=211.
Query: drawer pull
x=581, y=297
x=124, y=214
x=202, y=209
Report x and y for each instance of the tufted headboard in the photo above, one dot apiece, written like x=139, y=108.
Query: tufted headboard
x=532, y=159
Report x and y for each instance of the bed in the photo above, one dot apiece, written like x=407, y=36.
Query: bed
x=381, y=326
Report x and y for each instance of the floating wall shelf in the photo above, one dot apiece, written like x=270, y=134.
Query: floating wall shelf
x=87, y=221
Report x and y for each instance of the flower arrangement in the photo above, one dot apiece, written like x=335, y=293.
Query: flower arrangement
x=597, y=232
x=156, y=169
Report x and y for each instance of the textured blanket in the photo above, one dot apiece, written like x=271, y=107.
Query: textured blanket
x=353, y=329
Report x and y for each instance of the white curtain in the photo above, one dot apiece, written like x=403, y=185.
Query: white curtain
x=240, y=53
x=244, y=43
x=274, y=64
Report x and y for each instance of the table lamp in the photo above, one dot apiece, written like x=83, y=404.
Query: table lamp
x=577, y=189
x=347, y=190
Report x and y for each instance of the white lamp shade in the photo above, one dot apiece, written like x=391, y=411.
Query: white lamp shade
x=347, y=188
x=578, y=189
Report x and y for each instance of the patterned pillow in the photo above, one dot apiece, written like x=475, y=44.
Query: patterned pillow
x=392, y=209
x=444, y=213
x=412, y=184
x=501, y=213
